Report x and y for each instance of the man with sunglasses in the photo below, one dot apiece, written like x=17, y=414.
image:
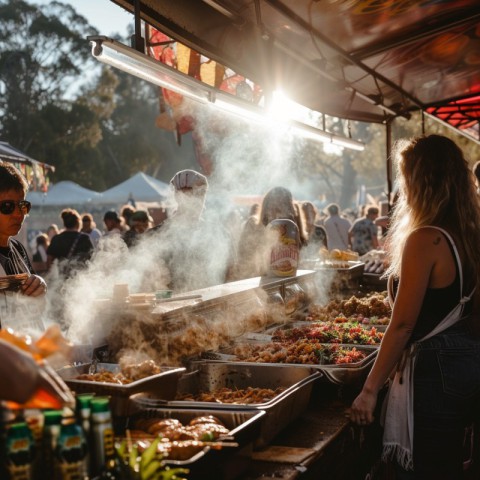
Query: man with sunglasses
x=13, y=256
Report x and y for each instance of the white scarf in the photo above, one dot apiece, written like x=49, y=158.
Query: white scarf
x=22, y=314
x=17, y=259
x=398, y=432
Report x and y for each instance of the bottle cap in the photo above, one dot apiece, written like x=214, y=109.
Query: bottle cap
x=52, y=417
x=100, y=404
x=84, y=399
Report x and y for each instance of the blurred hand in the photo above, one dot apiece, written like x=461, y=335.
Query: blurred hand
x=34, y=286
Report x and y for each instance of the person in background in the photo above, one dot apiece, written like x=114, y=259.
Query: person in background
x=113, y=223
x=195, y=247
x=52, y=230
x=363, y=235
x=316, y=234
x=13, y=256
x=140, y=222
x=90, y=228
x=337, y=228
x=252, y=249
x=432, y=343
x=71, y=248
x=126, y=213
x=39, y=258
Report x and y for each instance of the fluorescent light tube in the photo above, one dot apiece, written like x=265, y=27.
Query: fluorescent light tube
x=129, y=60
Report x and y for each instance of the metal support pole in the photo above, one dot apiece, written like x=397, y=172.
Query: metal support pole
x=137, y=41
x=388, y=152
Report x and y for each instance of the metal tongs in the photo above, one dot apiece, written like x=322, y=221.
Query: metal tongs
x=92, y=369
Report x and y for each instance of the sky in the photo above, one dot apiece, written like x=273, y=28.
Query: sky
x=105, y=15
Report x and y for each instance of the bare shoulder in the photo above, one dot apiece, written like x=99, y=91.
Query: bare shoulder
x=425, y=238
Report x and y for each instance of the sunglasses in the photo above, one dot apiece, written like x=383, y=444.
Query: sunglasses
x=7, y=207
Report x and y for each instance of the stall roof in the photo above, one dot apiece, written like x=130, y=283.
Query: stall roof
x=35, y=172
x=364, y=60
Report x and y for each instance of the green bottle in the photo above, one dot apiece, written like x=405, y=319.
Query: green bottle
x=103, y=455
x=52, y=422
x=20, y=452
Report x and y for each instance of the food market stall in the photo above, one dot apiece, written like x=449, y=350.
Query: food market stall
x=194, y=375
x=317, y=439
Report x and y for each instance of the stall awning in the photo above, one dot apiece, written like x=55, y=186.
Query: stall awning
x=35, y=172
x=364, y=60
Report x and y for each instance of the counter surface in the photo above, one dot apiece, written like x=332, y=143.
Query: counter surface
x=322, y=443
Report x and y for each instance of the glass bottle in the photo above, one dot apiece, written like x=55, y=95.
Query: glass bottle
x=103, y=456
x=20, y=452
x=70, y=452
x=52, y=422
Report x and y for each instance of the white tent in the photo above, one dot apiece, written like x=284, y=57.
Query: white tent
x=64, y=193
x=139, y=188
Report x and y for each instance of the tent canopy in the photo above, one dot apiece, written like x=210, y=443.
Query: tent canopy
x=367, y=61
x=139, y=188
x=64, y=194
x=34, y=171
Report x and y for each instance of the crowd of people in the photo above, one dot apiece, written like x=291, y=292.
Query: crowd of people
x=73, y=245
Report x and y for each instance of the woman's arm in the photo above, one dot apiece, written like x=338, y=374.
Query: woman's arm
x=419, y=258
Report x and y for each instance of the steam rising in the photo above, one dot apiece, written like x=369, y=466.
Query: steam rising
x=190, y=252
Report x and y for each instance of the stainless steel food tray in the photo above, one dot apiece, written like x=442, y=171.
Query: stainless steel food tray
x=163, y=383
x=281, y=410
x=227, y=355
x=268, y=333
x=244, y=427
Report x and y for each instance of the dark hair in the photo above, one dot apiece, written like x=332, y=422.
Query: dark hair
x=12, y=179
x=112, y=215
x=70, y=217
x=476, y=170
x=372, y=211
x=332, y=209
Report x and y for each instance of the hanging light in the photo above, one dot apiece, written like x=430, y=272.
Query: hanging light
x=127, y=59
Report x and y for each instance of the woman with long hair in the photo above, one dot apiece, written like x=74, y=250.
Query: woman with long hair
x=430, y=350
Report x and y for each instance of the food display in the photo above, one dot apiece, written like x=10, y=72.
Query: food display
x=127, y=374
x=206, y=428
x=249, y=395
x=307, y=352
x=375, y=261
x=327, y=332
x=109, y=379
x=373, y=309
x=338, y=255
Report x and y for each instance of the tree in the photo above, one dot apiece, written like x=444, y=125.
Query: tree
x=37, y=66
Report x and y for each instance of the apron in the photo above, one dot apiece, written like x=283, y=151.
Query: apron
x=398, y=428
x=19, y=312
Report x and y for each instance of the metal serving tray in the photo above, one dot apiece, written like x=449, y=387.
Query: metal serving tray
x=163, y=383
x=280, y=410
x=228, y=355
x=244, y=427
x=269, y=333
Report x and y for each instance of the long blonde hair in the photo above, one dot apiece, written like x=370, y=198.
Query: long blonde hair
x=436, y=187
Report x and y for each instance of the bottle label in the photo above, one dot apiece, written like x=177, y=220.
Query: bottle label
x=284, y=252
x=19, y=472
x=109, y=443
x=70, y=453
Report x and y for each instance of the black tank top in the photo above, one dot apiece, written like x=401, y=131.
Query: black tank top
x=438, y=303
